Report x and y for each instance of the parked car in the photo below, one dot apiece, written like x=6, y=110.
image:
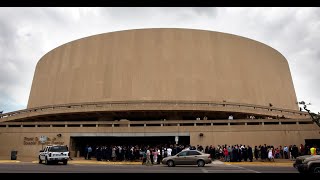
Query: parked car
x=307, y=164
x=188, y=157
x=54, y=154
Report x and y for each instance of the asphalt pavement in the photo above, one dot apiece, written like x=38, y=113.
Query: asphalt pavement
x=280, y=162
x=79, y=165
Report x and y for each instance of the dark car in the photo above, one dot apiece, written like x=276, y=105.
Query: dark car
x=307, y=164
x=188, y=157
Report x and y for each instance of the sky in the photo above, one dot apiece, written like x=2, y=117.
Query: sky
x=27, y=34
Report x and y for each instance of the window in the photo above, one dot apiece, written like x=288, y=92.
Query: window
x=59, y=149
x=193, y=153
x=184, y=153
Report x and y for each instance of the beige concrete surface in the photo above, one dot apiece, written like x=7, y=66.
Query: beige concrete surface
x=163, y=64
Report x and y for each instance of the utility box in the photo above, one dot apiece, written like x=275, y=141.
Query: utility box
x=14, y=155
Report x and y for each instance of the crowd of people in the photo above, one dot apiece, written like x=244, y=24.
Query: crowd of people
x=227, y=153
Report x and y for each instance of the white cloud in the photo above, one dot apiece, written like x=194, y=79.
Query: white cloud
x=26, y=34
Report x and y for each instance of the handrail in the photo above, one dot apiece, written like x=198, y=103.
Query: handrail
x=155, y=122
x=98, y=104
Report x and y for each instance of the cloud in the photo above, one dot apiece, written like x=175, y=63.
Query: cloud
x=26, y=34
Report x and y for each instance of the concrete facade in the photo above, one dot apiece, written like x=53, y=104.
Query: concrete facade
x=163, y=65
x=24, y=137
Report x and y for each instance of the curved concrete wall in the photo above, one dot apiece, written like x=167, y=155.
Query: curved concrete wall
x=163, y=64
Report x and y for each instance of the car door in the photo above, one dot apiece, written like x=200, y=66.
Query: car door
x=42, y=154
x=192, y=157
x=181, y=158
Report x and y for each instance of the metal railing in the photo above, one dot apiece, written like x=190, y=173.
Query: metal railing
x=81, y=106
x=146, y=124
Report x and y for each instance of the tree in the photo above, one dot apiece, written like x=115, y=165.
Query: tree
x=315, y=117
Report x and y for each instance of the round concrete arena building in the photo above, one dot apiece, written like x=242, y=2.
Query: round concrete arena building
x=163, y=65
x=160, y=86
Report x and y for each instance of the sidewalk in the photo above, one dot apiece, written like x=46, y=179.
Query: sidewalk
x=81, y=160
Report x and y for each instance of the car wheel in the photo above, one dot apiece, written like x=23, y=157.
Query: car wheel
x=201, y=163
x=65, y=162
x=315, y=169
x=40, y=161
x=46, y=161
x=170, y=163
x=301, y=171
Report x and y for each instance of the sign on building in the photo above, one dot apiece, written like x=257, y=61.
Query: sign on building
x=177, y=139
x=43, y=139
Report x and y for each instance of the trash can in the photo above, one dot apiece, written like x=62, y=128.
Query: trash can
x=14, y=155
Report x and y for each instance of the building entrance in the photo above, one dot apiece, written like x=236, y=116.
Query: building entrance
x=312, y=142
x=79, y=143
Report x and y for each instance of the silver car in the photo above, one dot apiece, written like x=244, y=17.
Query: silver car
x=188, y=157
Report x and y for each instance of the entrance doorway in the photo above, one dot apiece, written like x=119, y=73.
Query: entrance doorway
x=312, y=142
x=80, y=142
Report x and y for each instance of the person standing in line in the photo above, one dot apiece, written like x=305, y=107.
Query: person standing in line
x=155, y=156
x=250, y=155
x=144, y=157
x=256, y=152
x=86, y=152
x=159, y=156
x=89, y=152
x=169, y=150
x=285, y=151
x=148, y=161
x=313, y=150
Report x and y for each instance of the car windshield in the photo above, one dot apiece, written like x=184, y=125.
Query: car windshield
x=58, y=149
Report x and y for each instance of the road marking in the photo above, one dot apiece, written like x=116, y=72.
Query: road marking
x=244, y=168
x=204, y=170
x=260, y=163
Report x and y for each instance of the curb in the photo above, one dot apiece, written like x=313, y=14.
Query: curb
x=9, y=161
x=140, y=163
x=99, y=162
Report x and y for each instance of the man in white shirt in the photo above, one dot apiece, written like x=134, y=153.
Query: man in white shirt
x=285, y=151
x=169, y=150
